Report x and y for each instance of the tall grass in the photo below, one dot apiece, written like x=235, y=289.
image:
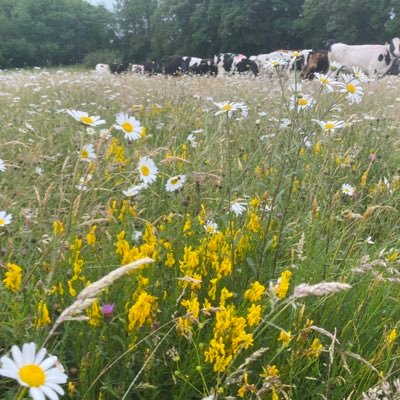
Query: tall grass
x=192, y=324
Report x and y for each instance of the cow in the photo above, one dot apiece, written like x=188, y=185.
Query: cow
x=118, y=67
x=395, y=68
x=198, y=66
x=232, y=63
x=102, y=68
x=269, y=62
x=299, y=60
x=175, y=65
x=137, y=68
x=317, y=61
x=151, y=67
x=373, y=59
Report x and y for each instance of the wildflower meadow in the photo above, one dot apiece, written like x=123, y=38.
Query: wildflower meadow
x=199, y=237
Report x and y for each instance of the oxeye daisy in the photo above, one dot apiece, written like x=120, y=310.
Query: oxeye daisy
x=230, y=108
x=32, y=370
x=301, y=103
x=360, y=75
x=5, y=219
x=192, y=139
x=147, y=170
x=335, y=66
x=175, y=183
x=211, y=227
x=327, y=82
x=238, y=207
x=352, y=88
x=85, y=119
x=129, y=125
x=347, y=189
x=134, y=190
x=330, y=126
x=2, y=166
x=87, y=153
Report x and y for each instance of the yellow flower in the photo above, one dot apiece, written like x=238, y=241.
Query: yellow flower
x=246, y=387
x=42, y=318
x=391, y=337
x=274, y=395
x=254, y=223
x=58, y=227
x=270, y=371
x=94, y=314
x=254, y=315
x=315, y=350
x=13, y=277
x=170, y=261
x=187, y=226
x=91, y=236
x=255, y=292
x=142, y=311
x=285, y=337
x=283, y=285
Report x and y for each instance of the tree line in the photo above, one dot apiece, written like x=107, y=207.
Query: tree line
x=63, y=32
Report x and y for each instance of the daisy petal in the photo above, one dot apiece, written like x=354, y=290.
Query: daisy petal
x=36, y=394
x=17, y=356
x=49, y=392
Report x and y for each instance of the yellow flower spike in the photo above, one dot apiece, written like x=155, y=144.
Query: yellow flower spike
x=270, y=371
x=391, y=337
x=142, y=311
x=13, y=277
x=254, y=315
x=285, y=338
x=43, y=317
x=255, y=292
x=315, y=349
x=58, y=228
x=94, y=315
x=91, y=237
x=283, y=285
x=274, y=395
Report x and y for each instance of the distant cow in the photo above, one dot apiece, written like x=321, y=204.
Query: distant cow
x=270, y=62
x=232, y=63
x=117, y=67
x=137, y=68
x=317, y=61
x=373, y=59
x=198, y=66
x=174, y=65
x=299, y=60
x=102, y=68
x=395, y=68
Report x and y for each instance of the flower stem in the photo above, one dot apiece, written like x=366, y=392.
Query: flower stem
x=21, y=393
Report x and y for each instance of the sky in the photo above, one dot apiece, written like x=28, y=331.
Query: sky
x=107, y=3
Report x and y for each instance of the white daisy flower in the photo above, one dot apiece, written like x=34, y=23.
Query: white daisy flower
x=39, y=170
x=327, y=82
x=134, y=190
x=231, y=107
x=129, y=125
x=2, y=166
x=335, y=66
x=301, y=103
x=83, y=181
x=32, y=370
x=192, y=139
x=87, y=153
x=352, y=88
x=360, y=75
x=284, y=123
x=147, y=170
x=330, y=126
x=105, y=134
x=85, y=119
x=211, y=227
x=175, y=183
x=238, y=207
x=5, y=218
x=347, y=189
x=136, y=235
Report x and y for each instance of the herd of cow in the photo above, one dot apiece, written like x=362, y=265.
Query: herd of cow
x=374, y=60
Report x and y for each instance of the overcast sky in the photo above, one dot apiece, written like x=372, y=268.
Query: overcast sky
x=107, y=3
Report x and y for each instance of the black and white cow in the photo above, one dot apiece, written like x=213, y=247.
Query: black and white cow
x=175, y=65
x=317, y=61
x=118, y=67
x=235, y=63
x=373, y=59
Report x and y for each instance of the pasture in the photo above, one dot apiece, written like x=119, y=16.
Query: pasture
x=274, y=248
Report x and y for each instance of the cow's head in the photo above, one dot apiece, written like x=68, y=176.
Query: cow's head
x=252, y=66
x=394, y=47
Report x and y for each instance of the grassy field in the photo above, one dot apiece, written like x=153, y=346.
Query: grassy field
x=274, y=268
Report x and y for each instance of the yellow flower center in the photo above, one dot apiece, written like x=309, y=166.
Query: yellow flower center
x=86, y=120
x=174, y=181
x=2, y=222
x=302, y=102
x=351, y=88
x=84, y=154
x=145, y=170
x=324, y=81
x=329, y=125
x=127, y=127
x=32, y=375
x=227, y=107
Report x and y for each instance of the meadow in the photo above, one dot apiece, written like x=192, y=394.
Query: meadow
x=247, y=231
